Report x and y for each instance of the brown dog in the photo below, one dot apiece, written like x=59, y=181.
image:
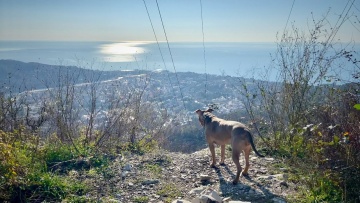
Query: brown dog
x=222, y=132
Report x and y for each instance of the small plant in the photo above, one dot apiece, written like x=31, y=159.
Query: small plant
x=47, y=187
x=145, y=145
x=170, y=191
x=154, y=168
x=141, y=199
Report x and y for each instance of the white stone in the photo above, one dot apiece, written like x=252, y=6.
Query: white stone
x=124, y=173
x=204, y=177
x=180, y=201
x=207, y=195
x=280, y=176
x=197, y=191
x=127, y=167
x=269, y=159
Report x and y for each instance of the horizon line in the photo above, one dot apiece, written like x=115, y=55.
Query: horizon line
x=149, y=42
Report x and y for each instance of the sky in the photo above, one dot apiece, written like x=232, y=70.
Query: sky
x=127, y=20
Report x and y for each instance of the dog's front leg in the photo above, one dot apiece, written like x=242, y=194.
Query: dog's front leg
x=222, y=155
x=212, y=150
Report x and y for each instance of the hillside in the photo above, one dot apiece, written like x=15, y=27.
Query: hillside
x=163, y=91
x=92, y=136
x=17, y=76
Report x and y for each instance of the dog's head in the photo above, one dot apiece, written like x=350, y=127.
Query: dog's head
x=204, y=116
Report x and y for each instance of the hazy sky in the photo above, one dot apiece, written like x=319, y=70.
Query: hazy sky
x=127, y=20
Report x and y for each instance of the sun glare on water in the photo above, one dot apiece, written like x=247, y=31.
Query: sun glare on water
x=122, y=51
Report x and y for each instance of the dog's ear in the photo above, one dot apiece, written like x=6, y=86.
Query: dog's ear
x=198, y=111
x=209, y=110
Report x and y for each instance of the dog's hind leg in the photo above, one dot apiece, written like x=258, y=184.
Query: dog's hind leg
x=235, y=158
x=222, y=155
x=247, y=163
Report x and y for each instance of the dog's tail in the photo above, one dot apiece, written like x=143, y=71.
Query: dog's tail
x=253, y=145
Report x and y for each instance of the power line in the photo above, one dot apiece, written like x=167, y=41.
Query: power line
x=157, y=42
x=344, y=18
x=202, y=28
x=172, y=60
x=287, y=21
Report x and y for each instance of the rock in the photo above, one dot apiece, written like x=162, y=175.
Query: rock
x=73, y=173
x=269, y=159
x=149, y=182
x=124, y=174
x=265, y=177
x=206, y=196
x=283, y=183
x=278, y=200
x=204, y=177
x=127, y=167
x=270, y=177
x=118, y=195
x=281, y=176
x=197, y=191
x=238, y=202
x=180, y=201
x=259, y=193
x=284, y=169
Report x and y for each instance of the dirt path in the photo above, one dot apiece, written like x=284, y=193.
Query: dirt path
x=164, y=176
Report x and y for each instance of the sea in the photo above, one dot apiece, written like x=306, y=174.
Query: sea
x=218, y=58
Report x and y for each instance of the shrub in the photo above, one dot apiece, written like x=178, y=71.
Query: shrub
x=141, y=199
x=169, y=190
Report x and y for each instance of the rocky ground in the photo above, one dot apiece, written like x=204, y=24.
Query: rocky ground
x=163, y=176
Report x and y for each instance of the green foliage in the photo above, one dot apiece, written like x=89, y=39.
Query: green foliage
x=170, y=191
x=30, y=171
x=78, y=199
x=357, y=106
x=141, y=199
x=48, y=186
x=17, y=156
x=34, y=170
x=55, y=153
x=154, y=168
x=324, y=189
x=145, y=145
x=64, y=157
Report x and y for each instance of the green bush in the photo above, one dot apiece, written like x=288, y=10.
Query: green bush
x=46, y=187
x=145, y=145
x=170, y=191
x=29, y=171
x=141, y=199
x=324, y=189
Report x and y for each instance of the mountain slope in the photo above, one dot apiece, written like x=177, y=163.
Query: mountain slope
x=17, y=76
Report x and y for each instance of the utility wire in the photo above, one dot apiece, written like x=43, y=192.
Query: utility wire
x=157, y=42
x=287, y=21
x=344, y=18
x=202, y=28
x=172, y=60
